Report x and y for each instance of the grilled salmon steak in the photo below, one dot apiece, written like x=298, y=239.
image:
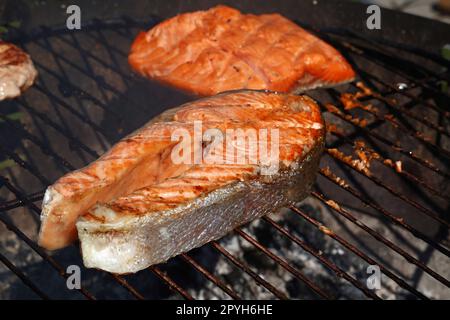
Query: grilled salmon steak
x=140, y=207
x=184, y=205
x=207, y=52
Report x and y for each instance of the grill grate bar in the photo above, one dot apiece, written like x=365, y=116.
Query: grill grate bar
x=284, y=264
x=25, y=164
x=74, y=90
x=13, y=204
x=391, y=103
x=119, y=72
x=42, y=253
x=81, y=93
x=120, y=280
x=415, y=84
x=171, y=283
x=189, y=260
x=392, y=67
x=336, y=207
x=421, y=101
x=402, y=110
x=32, y=244
x=30, y=284
x=412, y=80
x=380, y=57
x=423, y=84
x=243, y=266
x=46, y=149
x=87, y=53
x=405, y=93
x=327, y=231
x=67, y=106
x=374, y=55
x=351, y=120
x=124, y=283
x=396, y=220
x=330, y=265
x=73, y=140
x=41, y=66
x=117, y=278
x=395, y=193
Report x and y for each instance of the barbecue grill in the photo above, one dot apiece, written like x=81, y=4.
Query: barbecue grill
x=381, y=197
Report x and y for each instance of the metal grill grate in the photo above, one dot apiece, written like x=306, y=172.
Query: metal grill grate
x=393, y=214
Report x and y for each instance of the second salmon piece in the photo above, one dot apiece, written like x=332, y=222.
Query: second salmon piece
x=207, y=52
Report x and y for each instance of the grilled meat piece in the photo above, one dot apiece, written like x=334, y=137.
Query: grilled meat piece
x=137, y=203
x=196, y=203
x=17, y=72
x=207, y=52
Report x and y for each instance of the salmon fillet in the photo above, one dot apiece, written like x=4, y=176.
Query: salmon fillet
x=207, y=52
x=200, y=202
x=17, y=72
x=143, y=160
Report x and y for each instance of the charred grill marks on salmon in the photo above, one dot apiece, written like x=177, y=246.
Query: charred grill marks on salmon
x=207, y=52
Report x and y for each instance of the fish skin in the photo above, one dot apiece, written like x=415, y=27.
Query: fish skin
x=141, y=160
x=228, y=50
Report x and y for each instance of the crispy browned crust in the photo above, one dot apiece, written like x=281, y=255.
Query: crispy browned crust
x=12, y=56
x=221, y=49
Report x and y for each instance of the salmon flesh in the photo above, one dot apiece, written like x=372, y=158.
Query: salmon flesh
x=207, y=52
